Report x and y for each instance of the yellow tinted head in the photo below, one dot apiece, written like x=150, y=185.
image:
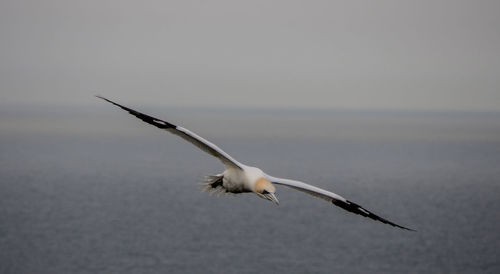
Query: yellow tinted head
x=262, y=185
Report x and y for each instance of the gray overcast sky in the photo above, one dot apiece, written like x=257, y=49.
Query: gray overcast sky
x=419, y=55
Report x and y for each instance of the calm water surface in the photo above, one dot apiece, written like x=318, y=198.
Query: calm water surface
x=101, y=193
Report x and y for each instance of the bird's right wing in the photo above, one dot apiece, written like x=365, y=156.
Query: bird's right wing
x=331, y=197
x=185, y=134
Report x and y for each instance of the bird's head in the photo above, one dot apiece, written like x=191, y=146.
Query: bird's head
x=265, y=189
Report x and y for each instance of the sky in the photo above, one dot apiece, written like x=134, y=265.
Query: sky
x=389, y=55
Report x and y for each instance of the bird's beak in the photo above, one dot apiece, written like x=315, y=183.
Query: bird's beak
x=271, y=197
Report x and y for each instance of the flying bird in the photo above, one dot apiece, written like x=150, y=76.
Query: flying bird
x=240, y=178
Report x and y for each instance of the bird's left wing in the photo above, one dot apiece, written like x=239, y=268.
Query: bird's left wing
x=185, y=134
x=331, y=197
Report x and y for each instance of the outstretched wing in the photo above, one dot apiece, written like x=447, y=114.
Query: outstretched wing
x=331, y=197
x=185, y=134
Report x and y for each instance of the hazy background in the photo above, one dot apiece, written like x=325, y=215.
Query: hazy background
x=95, y=190
x=392, y=104
x=419, y=55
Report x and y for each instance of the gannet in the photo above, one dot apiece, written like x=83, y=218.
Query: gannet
x=240, y=178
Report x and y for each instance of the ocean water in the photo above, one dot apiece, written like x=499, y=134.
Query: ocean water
x=98, y=191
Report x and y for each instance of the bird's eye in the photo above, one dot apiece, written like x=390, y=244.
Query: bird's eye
x=265, y=192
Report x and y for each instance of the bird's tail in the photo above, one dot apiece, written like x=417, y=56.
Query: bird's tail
x=213, y=184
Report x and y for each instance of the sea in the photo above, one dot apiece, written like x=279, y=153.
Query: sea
x=92, y=189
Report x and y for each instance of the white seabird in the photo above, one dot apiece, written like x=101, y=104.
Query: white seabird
x=240, y=178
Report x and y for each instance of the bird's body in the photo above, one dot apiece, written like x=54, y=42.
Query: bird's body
x=240, y=178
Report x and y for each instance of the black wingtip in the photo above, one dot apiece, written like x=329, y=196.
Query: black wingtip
x=357, y=209
x=395, y=225
x=105, y=99
x=146, y=118
x=116, y=104
x=404, y=228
